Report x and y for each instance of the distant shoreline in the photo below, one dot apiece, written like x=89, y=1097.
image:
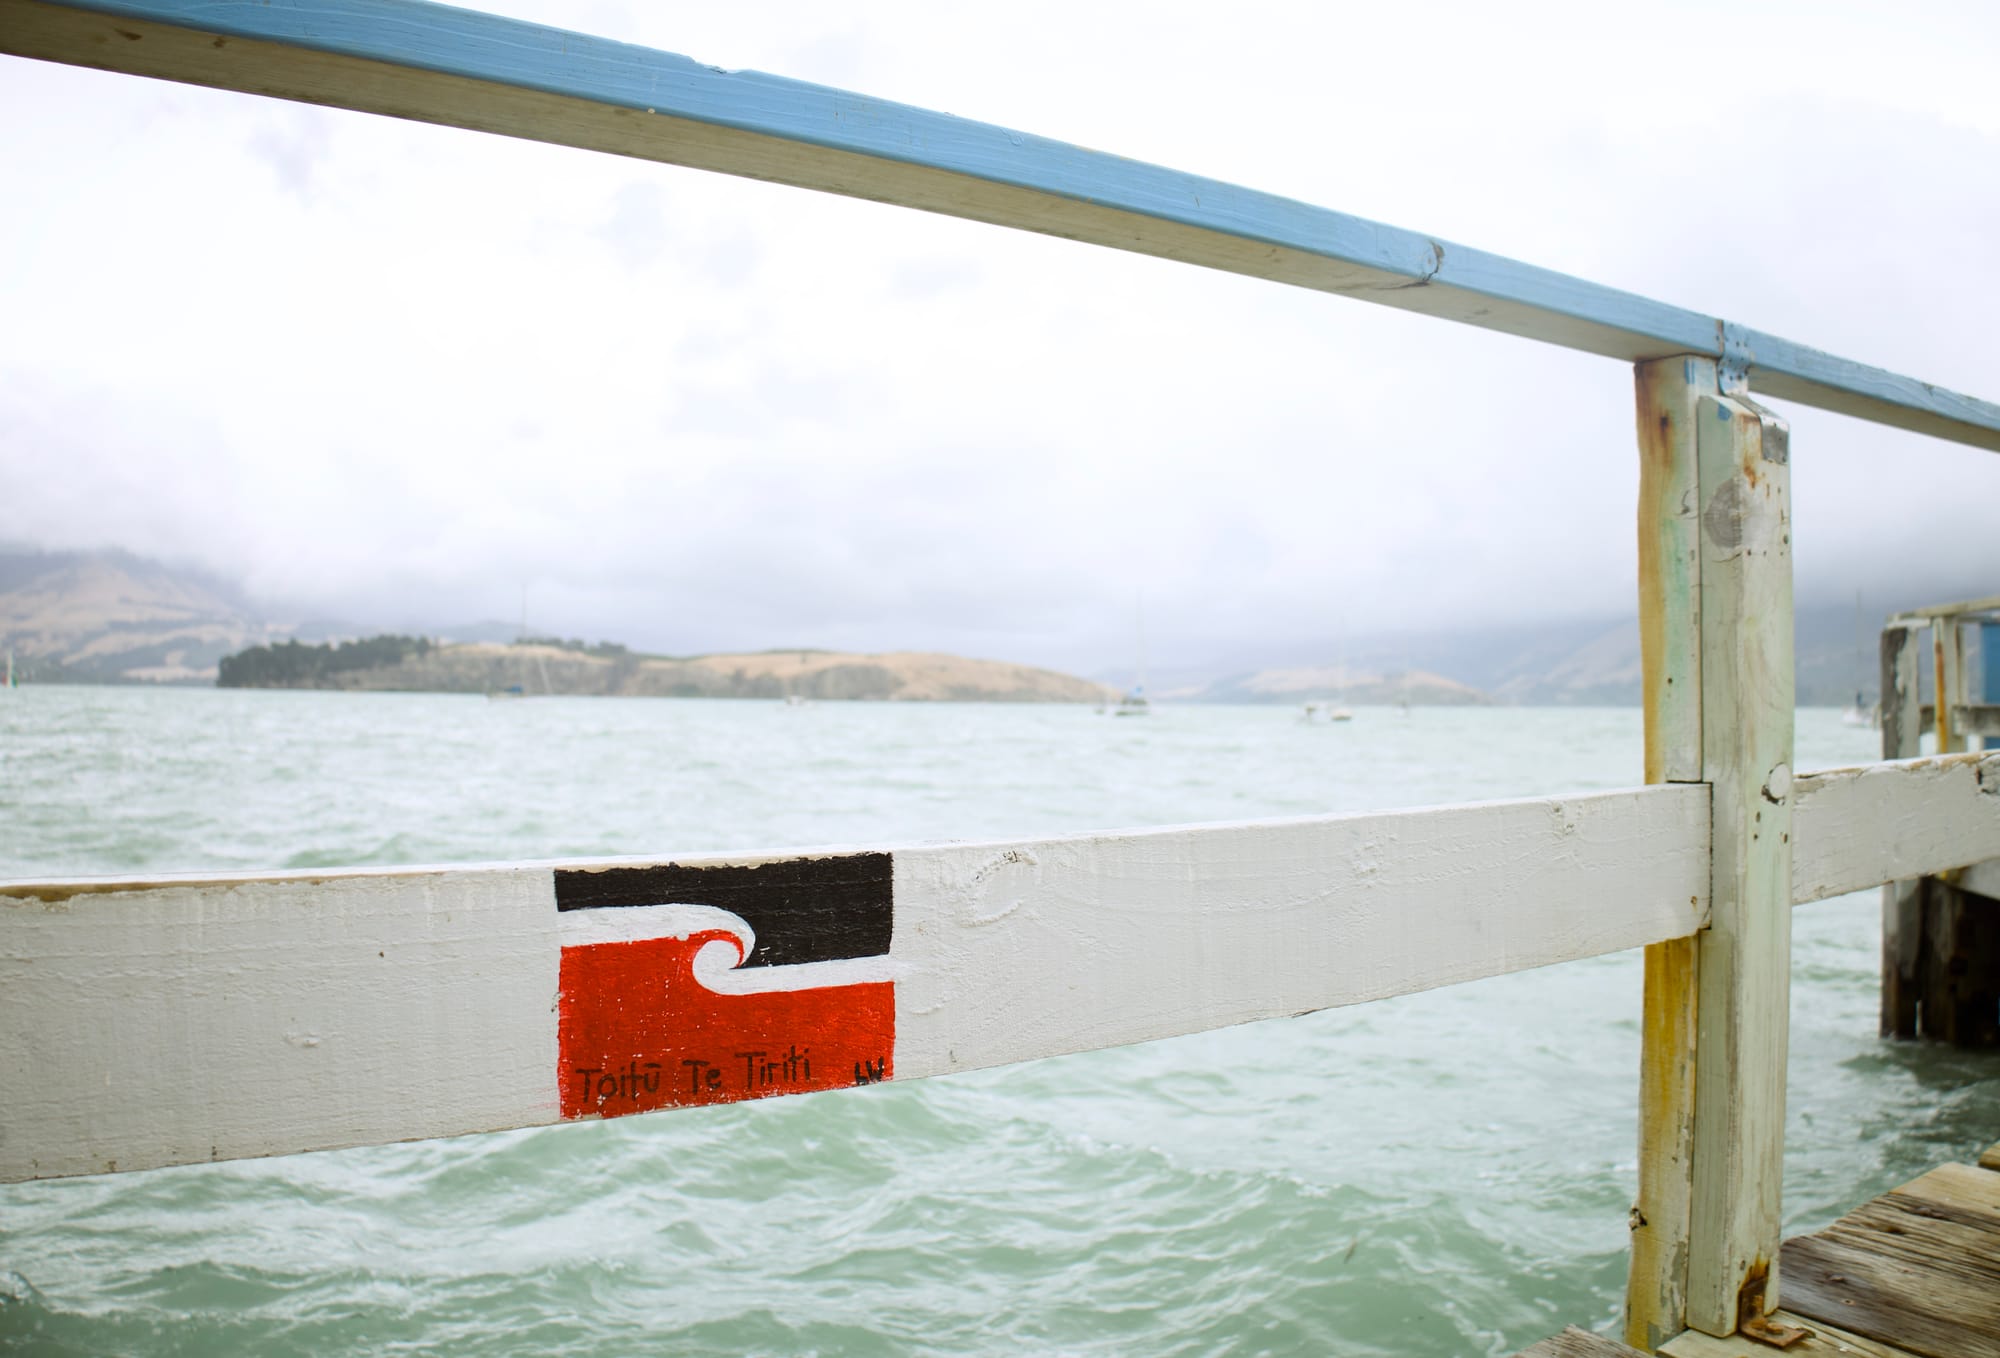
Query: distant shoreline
x=546, y=668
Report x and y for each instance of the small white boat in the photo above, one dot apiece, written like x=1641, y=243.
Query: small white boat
x=1318, y=712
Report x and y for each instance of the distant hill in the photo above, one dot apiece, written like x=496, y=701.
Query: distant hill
x=111, y=617
x=1587, y=662
x=1304, y=683
x=538, y=668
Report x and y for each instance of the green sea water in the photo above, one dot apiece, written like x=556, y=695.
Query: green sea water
x=1445, y=1173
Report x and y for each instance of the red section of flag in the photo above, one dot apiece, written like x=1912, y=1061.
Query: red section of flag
x=637, y=1031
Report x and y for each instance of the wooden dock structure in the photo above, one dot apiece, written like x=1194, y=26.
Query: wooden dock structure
x=1914, y=1273
x=1941, y=933
x=149, y=1022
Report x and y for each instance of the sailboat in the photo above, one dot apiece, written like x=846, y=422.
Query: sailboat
x=1329, y=709
x=1135, y=702
x=1860, y=713
x=521, y=638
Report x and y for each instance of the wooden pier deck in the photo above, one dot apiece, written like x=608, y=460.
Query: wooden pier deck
x=1914, y=1273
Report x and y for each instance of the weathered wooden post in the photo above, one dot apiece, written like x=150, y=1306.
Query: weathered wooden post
x=1948, y=681
x=1940, y=941
x=1669, y=391
x=1712, y=1101
x=1902, y=902
x=1957, y=953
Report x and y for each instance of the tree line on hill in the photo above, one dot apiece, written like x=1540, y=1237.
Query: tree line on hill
x=293, y=664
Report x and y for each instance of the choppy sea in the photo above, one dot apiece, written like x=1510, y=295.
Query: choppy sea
x=1441, y=1174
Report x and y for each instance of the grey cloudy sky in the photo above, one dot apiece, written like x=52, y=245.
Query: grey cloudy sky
x=402, y=373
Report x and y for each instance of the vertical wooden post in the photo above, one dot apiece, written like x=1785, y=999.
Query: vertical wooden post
x=1954, y=1001
x=1715, y=610
x=1902, y=700
x=1958, y=966
x=1669, y=391
x=1902, y=902
x=1949, y=667
x=1744, y=956
x=1989, y=652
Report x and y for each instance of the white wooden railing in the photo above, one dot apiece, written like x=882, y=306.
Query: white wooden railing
x=161, y=1022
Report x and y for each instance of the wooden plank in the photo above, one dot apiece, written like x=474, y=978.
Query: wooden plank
x=171, y=1024
x=461, y=69
x=156, y=1022
x=1890, y=1300
x=1957, y=1186
x=1902, y=901
x=1745, y=954
x=1859, y=827
x=1918, y=1268
x=1944, y=1238
x=1990, y=1157
x=1822, y=1341
x=1668, y=398
x=1016, y=952
x=1989, y=604
x=1575, y=1343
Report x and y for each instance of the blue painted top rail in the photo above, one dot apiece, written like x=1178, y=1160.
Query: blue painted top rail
x=429, y=62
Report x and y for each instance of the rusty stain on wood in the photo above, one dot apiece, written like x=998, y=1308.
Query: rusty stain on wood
x=1656, y=1300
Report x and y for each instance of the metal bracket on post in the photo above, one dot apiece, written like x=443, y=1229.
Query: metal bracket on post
x=1732, y=370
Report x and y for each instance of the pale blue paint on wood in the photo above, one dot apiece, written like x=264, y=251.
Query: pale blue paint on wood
x=1423, y=273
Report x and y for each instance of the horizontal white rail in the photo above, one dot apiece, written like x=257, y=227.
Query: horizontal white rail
x=158, y=1022
x=149, y=1023
x=1860, y=827
x=462, y=69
